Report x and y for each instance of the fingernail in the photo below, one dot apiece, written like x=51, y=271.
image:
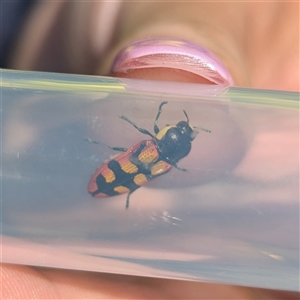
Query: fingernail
x=172, y=53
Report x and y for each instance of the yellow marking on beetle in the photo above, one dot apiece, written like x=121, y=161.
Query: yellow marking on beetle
x=140, y=179
x=128, y=167
x=148, y=155
x=163, y=131
x=160, y=168
x=121, y=189
x=109, y=175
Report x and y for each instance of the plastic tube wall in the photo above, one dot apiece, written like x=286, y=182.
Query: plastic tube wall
x=233, y=217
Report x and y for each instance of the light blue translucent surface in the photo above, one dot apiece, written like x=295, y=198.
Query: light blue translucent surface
x=232, y=218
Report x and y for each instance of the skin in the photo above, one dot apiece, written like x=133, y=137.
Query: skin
x=260, y=47
x=258, y=43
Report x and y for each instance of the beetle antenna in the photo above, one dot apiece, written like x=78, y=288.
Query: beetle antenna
x=187, y=117
x=156, y=129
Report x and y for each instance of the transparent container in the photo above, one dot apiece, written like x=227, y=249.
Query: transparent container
x=232, y=218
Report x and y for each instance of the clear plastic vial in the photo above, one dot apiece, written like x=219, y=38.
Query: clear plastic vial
x=232, y=218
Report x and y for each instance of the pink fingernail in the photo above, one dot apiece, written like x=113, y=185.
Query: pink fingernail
x=172, y=53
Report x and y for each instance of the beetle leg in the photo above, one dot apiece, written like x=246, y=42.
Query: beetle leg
x=142, y=130
x=156, y=129
x=178, y=168
x=127, y=200
x=128, y=196
x=121, y=149
x=92, y=141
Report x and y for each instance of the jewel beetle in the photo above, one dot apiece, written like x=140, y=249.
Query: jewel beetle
x=145, y=160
